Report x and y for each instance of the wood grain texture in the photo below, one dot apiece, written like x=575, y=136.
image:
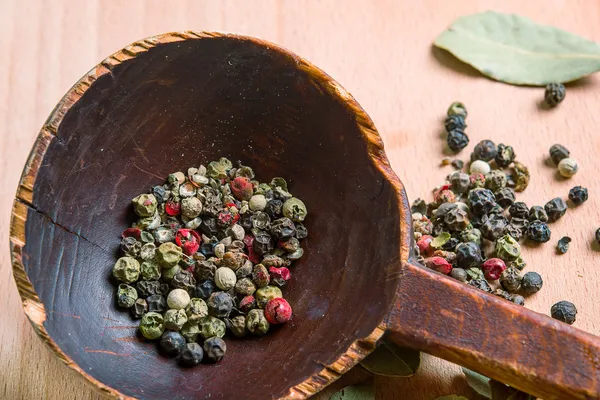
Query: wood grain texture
x=402, y=83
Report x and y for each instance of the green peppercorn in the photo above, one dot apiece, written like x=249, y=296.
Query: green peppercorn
x=294, y=209
x=237, y=325
x=190, y=331
x=126, y=296
x=245, y=287
x=211, y=327
x=175, y=319
x=215, y=349
x=521, y=176
x=505, y=156
x=169, y=273
x=169, y=255
x=150, y=271
x=507, y=248
x=457, y=108
x=126, y=269
x=471, y=235
x=152, y=325
x=144, y=205
x=519, y=264
x=554, y=94
x=257, y=323
x=264, y=294
x=531, y=283
x=564, y=311
x=218, y=169
x=196, y=310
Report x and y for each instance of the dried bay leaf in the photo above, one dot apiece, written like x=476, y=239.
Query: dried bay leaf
x=390, y=359
x=478, y=382
x=514, y=49
x=364, y=391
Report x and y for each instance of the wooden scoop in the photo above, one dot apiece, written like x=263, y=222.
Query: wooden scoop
x=181, y=99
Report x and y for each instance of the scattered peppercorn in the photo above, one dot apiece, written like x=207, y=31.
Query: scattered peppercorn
x=563, y=244
x=538, y=213
x=191, y=354
x=455, y=122
x=578, y=195
x=521, y=176
x=278, y=311
x=555, y=209
x=519, y=210
x=457, y=108
x=558, y=152
x=215, y=349
x=458, y=164
x=504, y=156
x=564, y=311
x=538, y=231
x=554, y=94
x=479, y=167
x=505, y=197
x=484, y=150
x=531, y=283
x=172, y=343
x=510, y=279
x=568, y=167
x=457, y=140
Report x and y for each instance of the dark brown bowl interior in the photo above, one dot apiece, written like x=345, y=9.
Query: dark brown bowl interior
x=178, y=105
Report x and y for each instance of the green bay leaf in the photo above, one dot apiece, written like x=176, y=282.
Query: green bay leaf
x=364, y=391
x=390, y=359
x=478, y=382
x=514, y=49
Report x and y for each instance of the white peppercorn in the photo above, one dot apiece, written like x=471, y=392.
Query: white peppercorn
x=568, y=167
x=178, y=299
x=225, y=278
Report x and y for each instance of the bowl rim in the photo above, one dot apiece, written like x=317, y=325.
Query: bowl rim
x=33, y=306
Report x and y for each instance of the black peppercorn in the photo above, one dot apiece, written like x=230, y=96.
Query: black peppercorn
x=555, y=209
x=215, y=349
x=157, y=303
x=459, y=274
x=510, y=279
x=481, y=201
x=531, y=283
x=504, y=156
x=520, y=223
x=538, y=213
x=140, y=307
x=274, y=208
x=505, y=197
x=538, y=231
x=458, y=164
x=219, y=304
x=485, y=151
x=184, y=280
x=457, y=140
x=517, y=299
x=554, y=94
x=494, y=227
x=468, y=255
x=519, y=210
x=598, y=235
x=558, y=152
x=514, y=231
x=191, y=354
x=204, y=289
x=172, y=343
x=208, y=226
x=563, y=244
x=161, y=194
x=148, y=288
x=578, y=195
x=455, y=122
x=451, y=244
x=481, y=284
x=282, y=228
x=564, y=311
x=301, y=231
x=456, y=219
x=262, y=243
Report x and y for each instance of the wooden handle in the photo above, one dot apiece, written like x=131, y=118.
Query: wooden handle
x=499, y=339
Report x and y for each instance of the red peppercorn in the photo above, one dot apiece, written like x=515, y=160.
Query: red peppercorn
x=493, y=268
x=279, y=276
x=252, y=256
x=132, y=232
x=172, y=208
x=278, y=311
x=241, y=188
x=425, y=245
x=247, y=303
x=438, y=264
x=188, y=240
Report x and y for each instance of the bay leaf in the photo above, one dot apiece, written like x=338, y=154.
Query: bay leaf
x=389, y=359
x=452, y=397
x=478, y=382
x=514, y=49
x=364, y=391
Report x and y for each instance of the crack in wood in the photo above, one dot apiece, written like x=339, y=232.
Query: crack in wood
x=45, y=215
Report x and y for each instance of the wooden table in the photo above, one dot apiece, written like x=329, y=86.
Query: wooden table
x=381, y=52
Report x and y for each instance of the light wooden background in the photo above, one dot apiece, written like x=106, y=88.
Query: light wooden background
x=381, y=52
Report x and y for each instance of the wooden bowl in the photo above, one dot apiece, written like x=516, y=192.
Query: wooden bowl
x=180, y=99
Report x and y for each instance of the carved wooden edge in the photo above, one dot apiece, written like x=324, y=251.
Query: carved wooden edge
x=34, y=308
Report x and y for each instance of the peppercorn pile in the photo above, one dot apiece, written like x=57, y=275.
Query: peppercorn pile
x=472, y=229
x=209, y=254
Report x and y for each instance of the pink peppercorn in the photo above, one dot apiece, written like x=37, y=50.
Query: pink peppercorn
x=241, y=188
x=279, y=276
x=132, y=232
x=189, y=241
x=493, y=268
x=438, y=264
x=172, y=208
x=425, y=245
x=278, y=311
x=252, y=256
x=247, y=303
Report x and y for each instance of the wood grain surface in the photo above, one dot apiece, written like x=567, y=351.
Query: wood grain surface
x=380, y=51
